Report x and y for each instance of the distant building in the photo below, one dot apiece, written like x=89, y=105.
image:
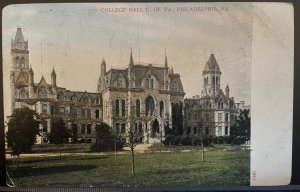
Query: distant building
x=214, y=112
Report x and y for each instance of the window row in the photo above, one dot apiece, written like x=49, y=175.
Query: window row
x=86, y=113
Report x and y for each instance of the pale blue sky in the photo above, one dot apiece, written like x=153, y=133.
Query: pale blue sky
x=77, y=36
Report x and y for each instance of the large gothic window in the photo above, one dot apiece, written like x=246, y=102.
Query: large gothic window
x=138, y=107
x=150, y=105
x=43, y=93
x=22, y=94
x=18, y=62
x=161, y=108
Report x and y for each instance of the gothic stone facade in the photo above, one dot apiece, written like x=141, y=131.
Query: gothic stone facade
x=144, y=92
x=214, y=112
x=81, y=111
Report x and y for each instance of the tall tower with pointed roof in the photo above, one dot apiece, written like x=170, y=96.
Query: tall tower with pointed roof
x=131, y=71
x=211, y=77
x=20, y=76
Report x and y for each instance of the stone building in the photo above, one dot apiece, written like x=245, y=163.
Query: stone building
x=214, y=111
x=81, y=111
x=140, y=96
x=144, y=93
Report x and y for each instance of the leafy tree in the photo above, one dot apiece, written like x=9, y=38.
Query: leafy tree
x=23, y=127
x=105, y=139
x=59, y=133
x=241, y=129
x=177, y=118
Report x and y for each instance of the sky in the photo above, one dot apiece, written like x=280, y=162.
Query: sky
x=74, y=38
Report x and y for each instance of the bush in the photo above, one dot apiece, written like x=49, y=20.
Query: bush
x=186, y=140
x=238, y=141
x=102, y=146
x=177, y=140
x=169, y=140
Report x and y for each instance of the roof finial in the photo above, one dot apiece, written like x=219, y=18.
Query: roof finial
x=166, y=60
x=131, y=58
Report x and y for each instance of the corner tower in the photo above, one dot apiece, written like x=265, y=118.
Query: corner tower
x=211, y=77
x=20, y=75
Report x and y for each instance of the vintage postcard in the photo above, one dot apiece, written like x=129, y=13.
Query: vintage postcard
x=140, y=95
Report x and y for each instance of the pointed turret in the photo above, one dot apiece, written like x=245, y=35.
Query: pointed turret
x=131, y=58
x=212, y=65
x=31, y=76
x=227, y=91
x=19, y=35
x=166, y=60
x=103, y=67
x=53, y=78
x=19, y=41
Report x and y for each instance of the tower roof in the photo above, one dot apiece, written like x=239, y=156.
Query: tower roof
x=131, y=58
x=166, y=60
x=53, y=72
x=19, y=35
x=103, y=62
x=30, y=70
x=212, y=65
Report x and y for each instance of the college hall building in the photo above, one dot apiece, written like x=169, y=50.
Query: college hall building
x=147, y=97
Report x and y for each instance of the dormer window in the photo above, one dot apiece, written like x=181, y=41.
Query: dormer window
x=120, y=82
x=43, y=93
x=61, y=97
x=149, y=82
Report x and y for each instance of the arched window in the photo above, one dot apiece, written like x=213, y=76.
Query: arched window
x=175, y=86
x=123, y=128
x=22, y=94
x=44, y=108
x=123, y=108
x=61, y=97
x=74, y=98
x=167, y=85
x=217, y=81
x=220, y=104
x=150, y=105
x=161, y=108
x=120, y=82
x=117, y=107
x=117, y=128
x=138, y=107
x=140, y=128
x=61, y=110
x=149, y=82
x=74, y=112
x=17, y=62
x=22, y=62
x=42, y=93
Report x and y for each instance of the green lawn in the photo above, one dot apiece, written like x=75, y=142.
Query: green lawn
x=185, y=169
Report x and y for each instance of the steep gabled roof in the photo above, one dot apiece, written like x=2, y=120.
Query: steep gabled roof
x=212, y=65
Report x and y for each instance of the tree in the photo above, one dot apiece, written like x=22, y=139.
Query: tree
x=23, y=127
x=105, y=139
x=59, y=133
x=132, y=137
x=241, y=128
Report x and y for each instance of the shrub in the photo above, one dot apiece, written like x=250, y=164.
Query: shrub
x=186, y=140
x=238, y=141
x=177, y=140
x=169, y=140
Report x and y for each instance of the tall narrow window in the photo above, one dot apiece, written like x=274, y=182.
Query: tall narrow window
x=61, y=110
x=161, y=108
x=138, y=107
x=207, y=117
x=140, y=128
x=117, y=107
x=226, y=130
x=220, y=115
x=22, y=62
x=89, y=129
x=44, y=108
x=226, y=117
x=195, y=130
x=82, y=112
x=22, y=94
x=219, y=130
x=123, y=128
x=151, y=83
x=123, y=108
x=82, y=128
x=88, y=111
x=52, y=109
x=207, y=131
x=74, y=112
x=97, y=114
x=117, y=128
x=45, y=126
x=150, y=105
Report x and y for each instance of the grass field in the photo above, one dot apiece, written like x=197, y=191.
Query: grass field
x=164, y=169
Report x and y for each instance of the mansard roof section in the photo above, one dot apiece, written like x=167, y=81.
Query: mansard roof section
x=212, y=65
